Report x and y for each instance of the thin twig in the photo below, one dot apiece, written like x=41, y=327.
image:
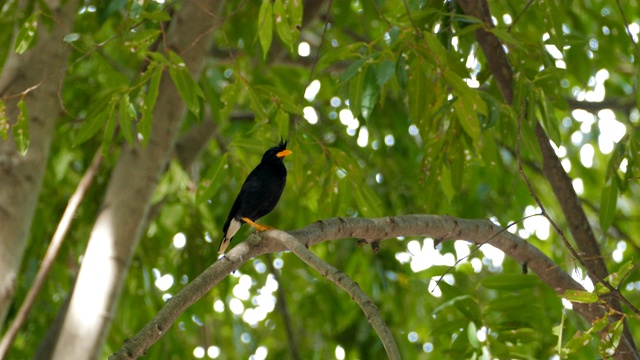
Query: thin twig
x=317, y=57
x=626, y=26
x=515, y=21
x=52, y=252
x=473, y=251
x=351, y=287
x=281, y=304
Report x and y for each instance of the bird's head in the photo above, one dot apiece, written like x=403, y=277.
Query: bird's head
x=276, y=153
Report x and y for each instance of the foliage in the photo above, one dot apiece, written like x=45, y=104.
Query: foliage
x=407, y=119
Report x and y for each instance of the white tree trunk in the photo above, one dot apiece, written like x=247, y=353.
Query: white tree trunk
x=121, y=222
x=21, y=176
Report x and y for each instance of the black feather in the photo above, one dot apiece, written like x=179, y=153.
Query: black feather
x=260, y=192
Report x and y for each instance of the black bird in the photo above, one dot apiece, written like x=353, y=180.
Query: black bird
x=259, y=194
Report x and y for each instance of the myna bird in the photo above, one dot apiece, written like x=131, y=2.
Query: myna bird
x=259, y=194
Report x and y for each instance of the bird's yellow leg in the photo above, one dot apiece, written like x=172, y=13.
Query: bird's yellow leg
x=257, y=226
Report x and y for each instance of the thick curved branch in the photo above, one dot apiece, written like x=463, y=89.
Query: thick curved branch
x=438, y=227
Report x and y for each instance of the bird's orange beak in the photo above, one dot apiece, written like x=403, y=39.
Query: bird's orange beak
x=283, y=153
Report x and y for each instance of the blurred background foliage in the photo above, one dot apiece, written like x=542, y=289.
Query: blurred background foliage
x=389, y=108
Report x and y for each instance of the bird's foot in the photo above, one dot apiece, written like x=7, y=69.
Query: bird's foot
x=257, y=226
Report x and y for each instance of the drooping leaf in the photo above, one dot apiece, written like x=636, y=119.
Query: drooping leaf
x=354, y=69
x=187, y=88
x=282, y=121
x=510, y=282
x=295, y=12
x=282, y=23
x=265, y=26
x=418, y=94
x=148, y=104
x=615, y=278
x=256, y=104
x=21, y=128
x=472, y=335
x=126, y=122
x=468, y=119
x=212, y=179
x=370, y=92
x=608, y=204
x=27, y=33
x=110, y=128
x=385, y=71
x=347, y=52
x=356, y=90
x=580, y=296
x=229, y=97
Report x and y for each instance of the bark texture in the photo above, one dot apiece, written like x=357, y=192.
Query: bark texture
x=372, y=230
x=40, y=69
x=127, y=201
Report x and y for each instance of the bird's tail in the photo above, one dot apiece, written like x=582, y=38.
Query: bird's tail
x=223, y=244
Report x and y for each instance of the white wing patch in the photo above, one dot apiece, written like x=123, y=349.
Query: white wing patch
x=234, y=226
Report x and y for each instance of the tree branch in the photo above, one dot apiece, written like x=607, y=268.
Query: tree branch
x=438, y=227
x=351, y=287
x=551, y=168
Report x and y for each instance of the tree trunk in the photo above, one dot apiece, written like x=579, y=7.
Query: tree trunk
x=40, y=69
x=122, y=219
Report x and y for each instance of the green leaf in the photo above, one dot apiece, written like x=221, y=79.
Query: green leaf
x=470, y=97
x=256, y=104
x=280, y=97
x=472, y=335
x=370, y=92
x=94, y=120
x=615, y=278
x=148, y=104
x=295, y=12
x=348, y=52
x=418, y=93
x=402, y=71
x=548, y=118
x=282, y=23
x=446, y=183
x=126, y=124
x=27, y=32
x=265, y=26
x=21, y=128
x=4, y=122
x=608, y=204
x=156, y=15
x=510, y=282
x=385, y=71
x=110, y=129
x=352, y=70
x=580, y=296
x=187, y=87
x=229, y=97
x=612, y=340
x=638, y=82
x=282, y=120
x=356, y=90
x=368, y=202
x=212, y=180
x=69, y=38
x=433, y=271
x=468, y=119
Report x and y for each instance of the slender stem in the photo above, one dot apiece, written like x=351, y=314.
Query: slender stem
x=52, y=252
